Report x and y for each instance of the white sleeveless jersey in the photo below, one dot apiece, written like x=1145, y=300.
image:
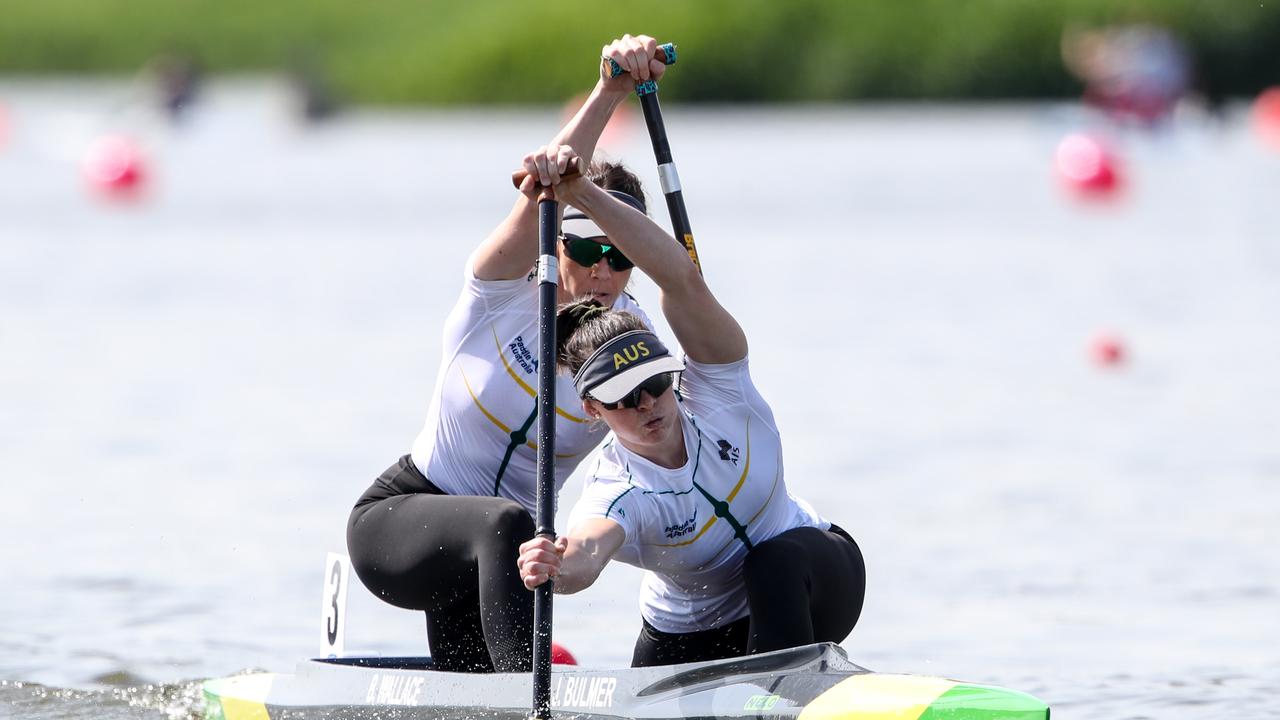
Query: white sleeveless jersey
x=480, y=437
x=690, y=528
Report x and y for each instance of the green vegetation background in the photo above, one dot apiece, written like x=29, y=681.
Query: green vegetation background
x=503, y=51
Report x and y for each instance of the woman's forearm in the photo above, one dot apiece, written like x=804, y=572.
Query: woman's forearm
x=583, y=131
x=637, y=57
x=589, y=547
x=639, y=238
x=583, y=562
x=706, y=331
x=512, y=247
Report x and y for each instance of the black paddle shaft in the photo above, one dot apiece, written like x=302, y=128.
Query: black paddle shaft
x=548, y=283
x=667, y=173
x=648, y=93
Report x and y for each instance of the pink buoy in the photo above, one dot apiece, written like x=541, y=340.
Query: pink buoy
x=560, y=655
x=114, y=167
x=1086, y=166
x=1108, y=350
x=1266, y=116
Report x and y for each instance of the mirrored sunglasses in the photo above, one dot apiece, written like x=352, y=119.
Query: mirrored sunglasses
x=589, y=252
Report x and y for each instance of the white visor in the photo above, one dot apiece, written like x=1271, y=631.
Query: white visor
x=575, y=223
x=618, y=386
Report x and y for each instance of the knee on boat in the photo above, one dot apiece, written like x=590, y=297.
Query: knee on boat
x=509, y=525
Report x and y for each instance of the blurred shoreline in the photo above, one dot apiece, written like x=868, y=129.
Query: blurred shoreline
x=405, y=52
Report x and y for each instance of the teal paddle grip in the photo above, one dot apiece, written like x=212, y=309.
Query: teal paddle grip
x=668, y=51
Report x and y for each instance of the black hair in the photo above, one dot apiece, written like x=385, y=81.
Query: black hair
x=615, y=176
x=584, y=325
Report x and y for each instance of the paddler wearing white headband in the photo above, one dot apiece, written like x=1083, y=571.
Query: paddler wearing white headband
x=690, y=487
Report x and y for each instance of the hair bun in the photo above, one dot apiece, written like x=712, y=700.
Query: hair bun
x=571, y=316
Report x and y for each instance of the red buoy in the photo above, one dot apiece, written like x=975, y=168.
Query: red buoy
x=561, y=655
x=114, y=167
x=1086, y=166
x=1266, y=116
x=1108, y=350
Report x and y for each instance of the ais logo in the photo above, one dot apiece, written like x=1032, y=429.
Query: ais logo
x=728, y=451
x=630, y=354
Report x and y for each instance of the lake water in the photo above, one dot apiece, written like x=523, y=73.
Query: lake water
x=195, y=388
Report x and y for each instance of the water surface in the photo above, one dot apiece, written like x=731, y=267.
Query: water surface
x=197, y=387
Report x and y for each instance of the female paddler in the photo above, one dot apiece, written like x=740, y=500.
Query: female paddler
x=439, y=530
x=690, y=486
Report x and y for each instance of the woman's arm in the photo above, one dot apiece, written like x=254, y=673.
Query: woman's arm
x=512, y=247
x=574, y=560
x=706, y=331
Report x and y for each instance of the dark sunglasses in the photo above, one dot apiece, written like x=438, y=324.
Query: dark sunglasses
x=655, y=386
x=589, y=252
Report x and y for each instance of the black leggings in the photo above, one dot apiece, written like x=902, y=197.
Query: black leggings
x=453, y=557
x=803, y=586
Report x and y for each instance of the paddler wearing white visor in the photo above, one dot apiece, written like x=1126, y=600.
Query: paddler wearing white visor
x=690, y=487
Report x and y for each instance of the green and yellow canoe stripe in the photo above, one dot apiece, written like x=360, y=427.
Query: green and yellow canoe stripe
x=238, y=698
x=876, y=696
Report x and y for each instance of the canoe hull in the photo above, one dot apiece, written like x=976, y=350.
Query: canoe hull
x=815, y=682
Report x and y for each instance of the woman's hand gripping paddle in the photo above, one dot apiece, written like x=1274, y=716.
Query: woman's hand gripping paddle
x=573, y=169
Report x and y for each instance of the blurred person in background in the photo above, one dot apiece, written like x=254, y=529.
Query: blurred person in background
x=313, y=97
x=1132, y=72
x=440, y=529
x=178, y=79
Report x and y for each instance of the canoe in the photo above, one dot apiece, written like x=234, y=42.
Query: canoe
x=813, y=682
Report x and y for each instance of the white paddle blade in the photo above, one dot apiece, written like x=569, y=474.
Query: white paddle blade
x=333, y=608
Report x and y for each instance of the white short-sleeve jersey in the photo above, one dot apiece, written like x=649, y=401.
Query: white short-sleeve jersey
x=480, y=437
x=690, y=528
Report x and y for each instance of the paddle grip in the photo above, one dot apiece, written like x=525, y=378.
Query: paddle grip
x=573, y=170
x=666, y=53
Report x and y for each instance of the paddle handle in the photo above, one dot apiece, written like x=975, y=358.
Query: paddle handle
x=666, y=53
x=573, y=170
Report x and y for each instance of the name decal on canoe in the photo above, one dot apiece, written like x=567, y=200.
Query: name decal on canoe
x=394, y=690
x=583, y=692
x=761, y=702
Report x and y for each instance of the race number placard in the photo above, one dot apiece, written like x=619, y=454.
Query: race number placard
x=333, y=608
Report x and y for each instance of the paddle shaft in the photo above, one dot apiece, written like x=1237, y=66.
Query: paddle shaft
x=548, y=282
x=648, y=93
x=548, y=279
